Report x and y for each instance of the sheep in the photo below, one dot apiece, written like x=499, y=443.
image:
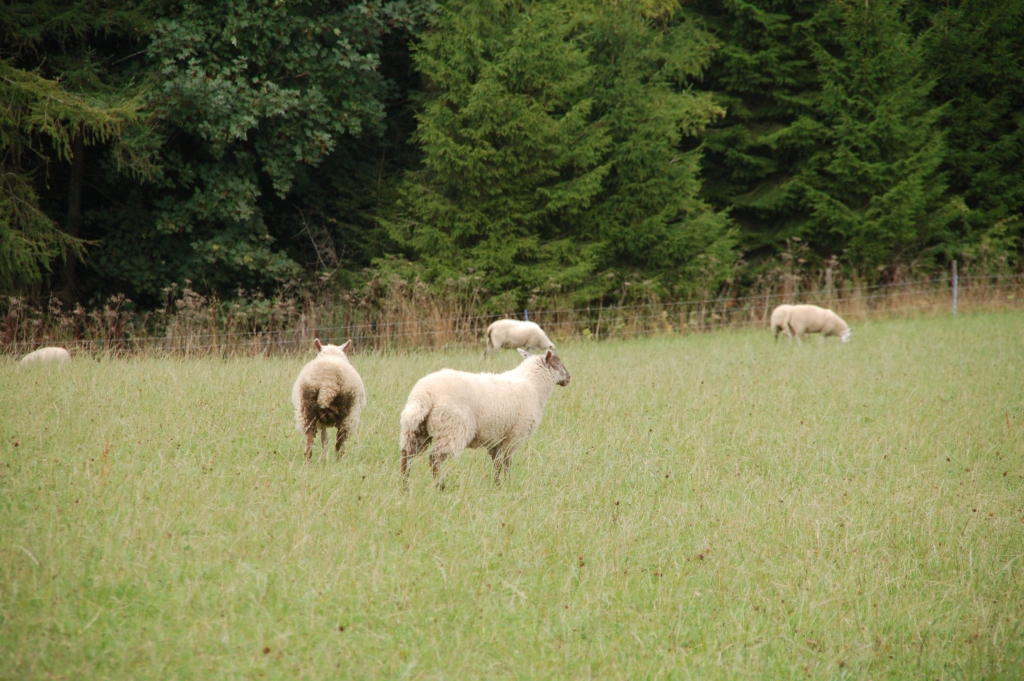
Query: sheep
x=51, y=354
x=778, y=323
x=805, y=319
x=512, y=333
x=328, y=394
x=457, y=410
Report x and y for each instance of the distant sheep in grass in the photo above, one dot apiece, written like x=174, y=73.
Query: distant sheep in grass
x=51, y=354
x=512, y=333
x=455, y=410
x=805, y=319
x=328, y=394
x=778, y=322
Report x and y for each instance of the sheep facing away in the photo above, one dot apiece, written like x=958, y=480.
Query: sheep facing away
x=456, y=410
x=805, y=319
x=778, y=322
x=512, y=333
x=328, y=394
x=51, y=354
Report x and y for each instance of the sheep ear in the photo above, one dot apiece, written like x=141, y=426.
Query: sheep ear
x=347, y=348
x=550, y=358
x=316, y=344
x=524, y=353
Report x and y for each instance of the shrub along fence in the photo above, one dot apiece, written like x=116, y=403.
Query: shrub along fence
x=196, y=326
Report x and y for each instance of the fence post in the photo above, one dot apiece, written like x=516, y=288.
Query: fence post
x=828, y=286
x=955, y=285
x=526, y=315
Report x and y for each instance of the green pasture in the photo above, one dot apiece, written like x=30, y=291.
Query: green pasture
x=702, y=507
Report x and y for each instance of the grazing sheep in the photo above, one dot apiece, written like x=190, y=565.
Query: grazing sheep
x=805, y=319
x=328, y=394
x=498, y=412
x=779, y=316
x=47, y=355
x=512, y=333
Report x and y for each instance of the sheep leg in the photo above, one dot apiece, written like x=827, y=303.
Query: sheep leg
x=501, y=455
x=506, y=455
x=310, y=436
x=496, y=456
x=436, y=460
x=413, y=444
x=323, y=443
x=339, y=444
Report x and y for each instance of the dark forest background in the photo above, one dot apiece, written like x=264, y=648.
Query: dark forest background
x=523, y=150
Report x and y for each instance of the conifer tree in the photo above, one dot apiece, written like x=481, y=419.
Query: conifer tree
x=550, y=135
x=764, y=75
x=975, y=49
x=511, y=151
x=649, y=214
x=873, y=190
x=58, y=99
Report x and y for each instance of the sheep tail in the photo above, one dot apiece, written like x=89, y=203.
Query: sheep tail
x=414, y=418
x=328, y=391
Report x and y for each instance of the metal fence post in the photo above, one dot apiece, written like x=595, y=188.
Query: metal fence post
x=955, y=286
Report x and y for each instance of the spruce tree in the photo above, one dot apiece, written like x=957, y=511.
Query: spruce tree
x=511, y=150
x=975, y=49
x=649, y=214
x=550, y=135
x=874, y=192
x=764, y=75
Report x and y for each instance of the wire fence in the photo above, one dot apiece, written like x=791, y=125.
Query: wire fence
x=198, y=332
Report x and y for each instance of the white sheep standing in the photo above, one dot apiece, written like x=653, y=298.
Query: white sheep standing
x=805, y=319
x=512, y=333
x=455, y=410
x=328, y=394
x=778, y=322
x=51, y=354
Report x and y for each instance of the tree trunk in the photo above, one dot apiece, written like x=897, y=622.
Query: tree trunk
x=74, y=224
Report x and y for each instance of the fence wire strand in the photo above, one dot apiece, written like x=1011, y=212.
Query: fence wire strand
x=601, y=322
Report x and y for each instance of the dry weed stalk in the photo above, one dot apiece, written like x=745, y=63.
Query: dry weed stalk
x=392, y=313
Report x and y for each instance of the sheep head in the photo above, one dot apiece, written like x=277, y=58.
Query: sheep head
x=552, y=362
x=343, y=350
x=846, y=336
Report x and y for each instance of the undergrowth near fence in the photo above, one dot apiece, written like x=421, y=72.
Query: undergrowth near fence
x=397, y=314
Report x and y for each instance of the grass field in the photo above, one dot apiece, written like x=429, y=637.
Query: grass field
x=703, y=507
